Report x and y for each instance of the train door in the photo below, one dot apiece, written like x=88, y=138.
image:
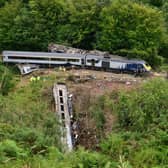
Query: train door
x=82, y=62
x=93, y=62
x=106, y=64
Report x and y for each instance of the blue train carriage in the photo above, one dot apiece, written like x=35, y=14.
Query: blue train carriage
x=138, y=67
x=133, y=66
x=116, y=63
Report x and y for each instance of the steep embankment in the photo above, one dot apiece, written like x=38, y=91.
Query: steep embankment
x=124, y=120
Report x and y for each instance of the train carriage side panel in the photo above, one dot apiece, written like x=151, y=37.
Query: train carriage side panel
x=93, y=61
x=117, y=65
x=42, y=58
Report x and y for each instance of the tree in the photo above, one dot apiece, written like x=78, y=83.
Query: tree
x=7, y=19
x=83, y=23
x=128, y=25
x=30, y=26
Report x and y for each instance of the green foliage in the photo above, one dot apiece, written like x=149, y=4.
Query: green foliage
x=113, y=146
x=131, y=27
x=6, y=80
x=10, y=150
x=2, y=2
x=139, y=110
x=98, y=116
x=80, y=30
x=29, y=133
x=27, y=119
x=140, y=135
x=27, y=26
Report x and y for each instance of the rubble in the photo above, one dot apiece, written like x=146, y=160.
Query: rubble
x=70, y=50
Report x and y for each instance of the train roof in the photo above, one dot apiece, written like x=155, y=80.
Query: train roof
x=116, y=58
x=40, y=54
x=66, y=55
x=130, y=61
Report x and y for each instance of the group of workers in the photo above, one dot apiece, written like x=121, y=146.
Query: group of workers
x=35, y=78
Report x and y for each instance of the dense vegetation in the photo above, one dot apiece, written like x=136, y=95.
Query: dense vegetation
x=133, y=28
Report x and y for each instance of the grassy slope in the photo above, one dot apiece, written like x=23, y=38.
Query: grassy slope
x=29, y=133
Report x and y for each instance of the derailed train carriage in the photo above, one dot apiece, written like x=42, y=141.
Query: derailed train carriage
x=107, y=63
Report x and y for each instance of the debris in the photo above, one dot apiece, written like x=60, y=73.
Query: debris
x=27, y=68
x=70, y=50
x=128, y=83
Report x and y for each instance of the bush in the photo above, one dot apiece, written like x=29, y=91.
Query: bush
x=113, y=146
x=6, y=80
x=10, y=150
x=139, y=109
x=98, y=116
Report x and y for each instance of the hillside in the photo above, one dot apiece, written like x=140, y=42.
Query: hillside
x=122, y=119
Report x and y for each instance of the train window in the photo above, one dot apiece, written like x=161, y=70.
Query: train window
x=62, y=116
x=73, y=60
x=61, y=100
x=27, y=58
x=132, y=66
x=140, y=66
x=147, y=64
x=83, y=61
x=107, y=57
x=60, y=93
x=93, y=61
x=58, y=59
x=62, y=107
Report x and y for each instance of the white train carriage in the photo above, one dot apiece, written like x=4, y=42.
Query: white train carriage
x=104, y=62
x=46, y=58
x=93, y=61
x=117, y=64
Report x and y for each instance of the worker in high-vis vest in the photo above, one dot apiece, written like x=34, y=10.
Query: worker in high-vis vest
x=64, y=69
x=60, y=68
x=32, y=79
x=38, y=78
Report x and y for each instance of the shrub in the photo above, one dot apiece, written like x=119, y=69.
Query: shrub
x=6, y=80
x=9, y=149
x=113, y=145
x=140, y=109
